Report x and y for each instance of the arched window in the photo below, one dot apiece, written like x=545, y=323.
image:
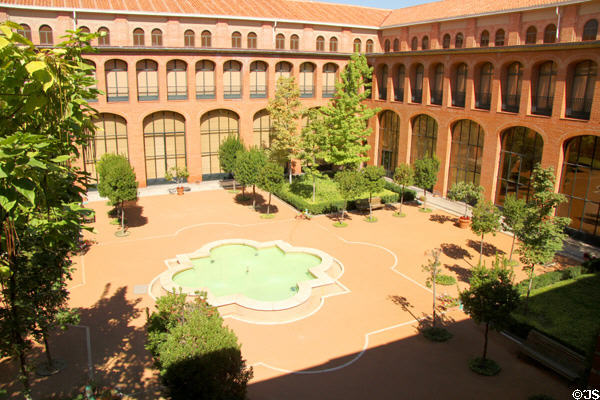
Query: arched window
x=232, y=80
x=446, y=41
x=414, y=43
x=307, y=80
x=483, y=92
x=25, y=31
x=579, y=181
x=437, y=85
x=236, y=40
x=581, y=93
x=294, y=42
x=156, y=38
x=205, y=79
x=543, y=93
x=138, y=37
x=499, y=40
x=252, y=40
x=590, y=30
x=531, y=35
x=369, y=47
x=511, y=88
x=459, y=85
x=46, y=35
x=333, y=44
x=206, y=39
x=283, y=69
x=280, y=41
x=164, y=144
x=465, y=153
x=110, y=136
x=387, y=45
x=424, y=137
x=147, y=80
x=258, y=80
x=320, y=43
x=117, y=88
x=521, y=151
x=105, y=39
x=84, y=29
x=396, y=45
x=189, y=38
x=458, y=41
x=399, y=83
x=177, y=80
x=329, y=79
x=485, y=39
x=425, y=43
x=382, y=82
x=550, y=34
x=416, y=84
x=357, y=45
x=215, y=127
x=389, y=136
x=263, y=129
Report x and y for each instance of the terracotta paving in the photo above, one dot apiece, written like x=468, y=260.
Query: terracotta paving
x=357, y=344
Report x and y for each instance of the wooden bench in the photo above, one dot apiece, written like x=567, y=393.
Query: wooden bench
x=553, y=355
x=363, y=204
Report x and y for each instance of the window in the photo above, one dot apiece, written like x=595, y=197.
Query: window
x=205, y=39
x=416, y=83
x=590, y=30
x=414, y=44
x=104, y=40
x=389, y=134
x=511, y=88
x=458, y=41
x=485, y=39
x=189, y=38
x=369, y=48
x=333, y=44
x=357, y=46
x=147, y=80
x=437, y=85
x=215, y=127
x=138, y=37
x=164, y=144
x=176, y=80
x=307, y=76
x=459, y=85
x=236, y=40
x=424, y=137
x=581, y=93
x=110, y=136
x=280, y=41
x=396, y=45
x=382, y=82
x=543, y=93
x=263, y=129
x=46, y=35
x=156, y=38
x=25, y=31
x=205, y=80
x=483, y=93
x=294, y=42
x=499, y=40
x=283, y=69
x=399, y=83
x=258, y=80
x=465, y=153
x=446, y=41
x=531, y=35
x=117, y=88
x=252, y=40
x=387, y=45
x=320, y=43
x=232, y=80
x=550, y=34
x=329, y=78
x=425, y=43
x=84, y=29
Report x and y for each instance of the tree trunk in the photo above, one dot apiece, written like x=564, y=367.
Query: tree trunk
x=401, y=199
x=485, y=341
x=269, y=205
x=343, y=211
x=243, y=191
x=254, y=197
x=48, y=355
x=434, y=278
x=290, y=172
x=424, y=199
x=529, y=288
x=17, y=337
x=233, y=182
x=314, y=187
x=481, y=249
x=512, y=247
x=370, y=209
x=122, y=216
x=466, y=208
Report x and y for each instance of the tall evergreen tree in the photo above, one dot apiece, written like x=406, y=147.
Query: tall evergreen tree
x=313, y=146
x=228, y=153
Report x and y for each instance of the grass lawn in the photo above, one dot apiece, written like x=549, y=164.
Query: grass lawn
x=567, y=310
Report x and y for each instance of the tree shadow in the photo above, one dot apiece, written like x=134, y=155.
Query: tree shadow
x=455, y=252
x=404, y=304
x=441, y=219
x=245, y=199
x=133, y=215
x=337, y=216
x=488, y=248
x=463, y=274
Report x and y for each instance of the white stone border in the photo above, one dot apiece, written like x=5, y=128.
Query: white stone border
x=183, y=262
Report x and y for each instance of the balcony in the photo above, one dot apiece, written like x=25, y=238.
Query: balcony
x=399, y=94
x=307, y=91
x=417, y=95
x=115, y=94
x=542, y=105
x=328, y=91
x=579, y=108
x=436, y=97
x=232, y=92
x=177, y=93
x=205, y=92
x=511, y=103
x=148, y=93
x=483, y=100
x=258, y=91
x=458, y=99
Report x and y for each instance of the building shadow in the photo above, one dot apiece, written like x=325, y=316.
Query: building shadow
x=488, y=248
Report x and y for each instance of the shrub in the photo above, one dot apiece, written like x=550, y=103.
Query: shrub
x=571, y=272
x=592, y=266
x=409, y=195
x=445, y=280
x=484, y=366
x=540, y=281
x=437, y=334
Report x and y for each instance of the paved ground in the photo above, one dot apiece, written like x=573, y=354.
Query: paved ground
x=359, y=344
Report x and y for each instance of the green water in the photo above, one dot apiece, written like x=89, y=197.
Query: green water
x=266, y=274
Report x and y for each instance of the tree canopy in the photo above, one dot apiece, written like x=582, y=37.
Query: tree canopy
x=228, y=153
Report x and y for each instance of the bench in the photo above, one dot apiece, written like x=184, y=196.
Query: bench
x=363, y=204
x=553, y=355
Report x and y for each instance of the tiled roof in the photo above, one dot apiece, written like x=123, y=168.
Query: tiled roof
x=448, y=9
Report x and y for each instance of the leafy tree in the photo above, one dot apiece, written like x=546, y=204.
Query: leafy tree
x=513, y=212
x=373, y=182
x=270, y=179
x=486, y=219
x=117, y=182
x=403, y=176
x=227, y=154
x=198, y=357
x=247, y=168
x=313, y=145
x=426, y=171
x=346, y=117
x=350, y=185
x=466, y=192
x=432, y=269
x=285, y=109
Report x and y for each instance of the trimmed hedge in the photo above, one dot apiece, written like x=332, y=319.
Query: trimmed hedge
x=320, y=207
x=550, y=278
x=409, y=195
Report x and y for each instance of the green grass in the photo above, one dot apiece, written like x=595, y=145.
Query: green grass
x=567, y=311
x=425, y=210
x=485, y=367
x=340, y=224
x=445, y=280
x=371, y=219
x=437, y=334
x=399, y=214
x=267, y=216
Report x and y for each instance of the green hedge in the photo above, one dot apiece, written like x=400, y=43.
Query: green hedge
x=409, y=195
x=550, y=278
x=320, y=207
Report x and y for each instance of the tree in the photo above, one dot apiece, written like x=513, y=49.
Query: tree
x=285, y=109
x=270, y=179
x=350, y=186
x=486, y=219
x=346, y=117
x=466, y=192
x=490, y=300
x=432, y=268
x=117, y=182
x=426, y=171
x=227, y=154
x=372, y=183
x=198, y=357
x=313, y=145
x=403, y=176
x=513, y=212
x=247, y=168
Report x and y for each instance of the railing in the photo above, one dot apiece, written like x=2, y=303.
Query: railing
x=436, y=97
x=542, y=105
x=307, y=91
x=328, y=91
x=399, y=94
x=258, y=91
x=579, y=108
x=205, y=92
x=417, y=95
x=511, y=103
x=148, y=93
x=117, y=94
x=177, y=93
x=483, y=100
x=232, y=92
x=458, y=99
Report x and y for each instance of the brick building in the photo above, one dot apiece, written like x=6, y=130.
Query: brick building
x=490, y=87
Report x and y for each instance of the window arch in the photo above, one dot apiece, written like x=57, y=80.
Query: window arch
x=25, y=31
x=236, y=40
x=484, y=41
x=110, y=137
x=399, y=83
x=232, y=80
x=280, y=41
x=511, y=87
x=483, y=92
x=521, y=151
x=424, y=137
x=84, y=29
x=590, y=30
x=263, y=130
x=357, y=45
x=164, y=144
x=543, y=93
x=446, y=41
x=459, y=85
x=416, y=84
x=282, y=69
x=387, y=45
x=258, y=80
x=46, y=35
x=307, y=79
x=138, y=37
x=215, y=127
x=294, y=42
x=499, y=39
x=252, y=40
x=550, y=34
x=382, y=82
x=531, y=35
x=156, y=37
x=206, y=39
x=425, y=43
x=581, y=90
x=147, y=80
x=117, y=88
x=177, y=80
x=414, y=43
x=333, y=44
x=458, y=41
x=437, y=85
x=329, y=79
x=389, y=134
x=320, y=43
x=205, y=79
x=189, y=38
x=465, y=153
x=105, y=39
x=396, y=45
x=369, y=46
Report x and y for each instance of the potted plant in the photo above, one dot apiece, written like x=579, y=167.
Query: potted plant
x=467, y=193
x=178, y=174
